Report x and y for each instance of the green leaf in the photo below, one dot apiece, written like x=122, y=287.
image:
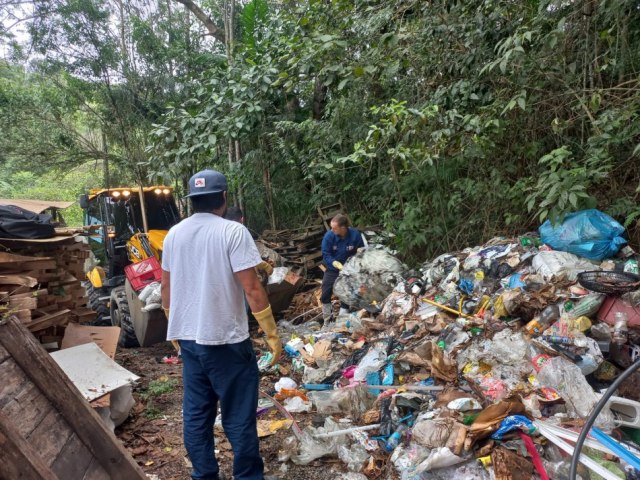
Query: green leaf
x=342, y=83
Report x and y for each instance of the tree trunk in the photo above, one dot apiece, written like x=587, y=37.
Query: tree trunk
x=319, y=99
x=211, y=27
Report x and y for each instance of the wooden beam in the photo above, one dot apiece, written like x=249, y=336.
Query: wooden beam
x=19, y=458
x=65, y=397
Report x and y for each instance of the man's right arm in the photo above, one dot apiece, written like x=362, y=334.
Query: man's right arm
x=165, y=290
x=256, y=295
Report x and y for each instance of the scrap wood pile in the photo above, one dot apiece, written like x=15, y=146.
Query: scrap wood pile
x=483, y=363
x=299, y=248
x=40, y=283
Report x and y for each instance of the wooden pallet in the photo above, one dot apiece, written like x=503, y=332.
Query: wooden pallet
x=47, y=430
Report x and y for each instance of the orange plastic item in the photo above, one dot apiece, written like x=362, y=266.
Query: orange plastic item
x=288, y=393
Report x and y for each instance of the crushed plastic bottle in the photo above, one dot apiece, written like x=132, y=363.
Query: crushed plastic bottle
x=620, y=328
x=396, y=437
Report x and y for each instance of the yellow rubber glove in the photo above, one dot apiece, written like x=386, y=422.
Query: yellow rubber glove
x=268, y=324
x=264, y=267
x=337, y=264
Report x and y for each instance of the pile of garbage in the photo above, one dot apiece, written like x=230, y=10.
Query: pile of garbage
x=483, y=363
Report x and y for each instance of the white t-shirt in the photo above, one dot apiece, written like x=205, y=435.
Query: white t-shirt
x=207, y=301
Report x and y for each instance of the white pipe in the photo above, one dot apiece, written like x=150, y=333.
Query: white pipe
x=337, y=433
x=570, y=435
x=596, y=467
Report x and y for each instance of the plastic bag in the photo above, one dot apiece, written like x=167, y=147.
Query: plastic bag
x=371, y=362
x=590, y=234
x=285, y=382
x=439, y=458
x=345, y=401
x=514, y=422
x=297, y=405
x=559, y=264
x=312, y=448
x=368, y=277
x=353, y=456
x=567, y=379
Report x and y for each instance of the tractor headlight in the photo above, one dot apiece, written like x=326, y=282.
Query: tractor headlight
x=166, y=191
x=126, y=193
x=116, y=194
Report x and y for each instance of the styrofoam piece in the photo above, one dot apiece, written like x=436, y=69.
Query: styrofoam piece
x=92, y=371
x=625, y=411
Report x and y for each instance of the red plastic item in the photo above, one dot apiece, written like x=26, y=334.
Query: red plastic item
x=611, y=305
x=143, y=273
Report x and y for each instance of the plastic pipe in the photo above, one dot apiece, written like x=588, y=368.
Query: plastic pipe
x=596, y=411
x=618, y=449
x=588, y=462
x=571, y=435
x=337, y=433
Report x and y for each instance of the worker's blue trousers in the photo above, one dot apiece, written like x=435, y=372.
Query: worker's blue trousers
x=227, y=374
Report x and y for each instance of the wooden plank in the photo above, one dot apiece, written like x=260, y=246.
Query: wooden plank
x=18, y=280
x=64, y=396
x=73, y=461
x=27, y=409
x=56, y=318
x=19, y=458
x=24, y=315
x=49, y=436
x=21, y=303
x=4, y=355
x=96, y=472
x=12, y=381
x=33, y=293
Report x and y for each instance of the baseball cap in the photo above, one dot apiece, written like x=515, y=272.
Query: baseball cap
x=207, y=182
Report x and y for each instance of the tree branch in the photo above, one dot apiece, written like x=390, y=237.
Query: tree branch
x=211, y=27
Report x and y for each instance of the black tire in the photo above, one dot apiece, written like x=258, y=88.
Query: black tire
x=98, y=301
x=121, y=317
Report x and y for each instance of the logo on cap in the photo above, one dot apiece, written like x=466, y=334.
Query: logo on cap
x=199, y=182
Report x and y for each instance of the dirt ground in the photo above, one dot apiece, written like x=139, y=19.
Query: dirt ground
x=153, y=432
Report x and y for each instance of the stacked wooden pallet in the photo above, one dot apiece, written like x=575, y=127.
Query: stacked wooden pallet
x=40, y=282
x=300, y=248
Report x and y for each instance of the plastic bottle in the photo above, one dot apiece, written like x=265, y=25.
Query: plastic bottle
x=478, y=283
x=396, y=437
x=539, y=324
x=620, y=328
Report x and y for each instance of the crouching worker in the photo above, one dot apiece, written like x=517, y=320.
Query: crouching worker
x=338, y=244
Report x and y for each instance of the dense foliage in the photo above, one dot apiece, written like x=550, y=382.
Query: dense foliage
x=447, y=122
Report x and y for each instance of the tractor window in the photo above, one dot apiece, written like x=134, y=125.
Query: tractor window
x=162, y=213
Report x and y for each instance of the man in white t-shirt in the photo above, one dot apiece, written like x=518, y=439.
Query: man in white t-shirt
x=207, y=264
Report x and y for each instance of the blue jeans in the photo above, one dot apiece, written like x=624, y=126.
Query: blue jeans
x=227, y=374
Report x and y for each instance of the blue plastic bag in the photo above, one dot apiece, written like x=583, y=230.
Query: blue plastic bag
x=512, y=423
x=589, y=234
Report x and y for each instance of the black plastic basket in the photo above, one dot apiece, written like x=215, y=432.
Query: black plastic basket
x=613, y=283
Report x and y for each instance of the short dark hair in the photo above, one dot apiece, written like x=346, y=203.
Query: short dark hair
x=341, y=220
x=207, y=203
x=234, y=213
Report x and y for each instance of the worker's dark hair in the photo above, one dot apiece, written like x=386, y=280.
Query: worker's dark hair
x=207, y=203
x=341, y=220
x=234, y=213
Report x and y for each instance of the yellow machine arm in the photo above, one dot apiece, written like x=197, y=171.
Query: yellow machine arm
x=142, y=246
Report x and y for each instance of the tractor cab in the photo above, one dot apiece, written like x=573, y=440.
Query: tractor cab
x=128, y=224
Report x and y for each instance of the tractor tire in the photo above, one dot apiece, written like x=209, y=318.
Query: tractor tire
x=121, y=317
x=98, y=301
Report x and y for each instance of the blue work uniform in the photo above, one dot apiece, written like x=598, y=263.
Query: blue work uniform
x=337, y=248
